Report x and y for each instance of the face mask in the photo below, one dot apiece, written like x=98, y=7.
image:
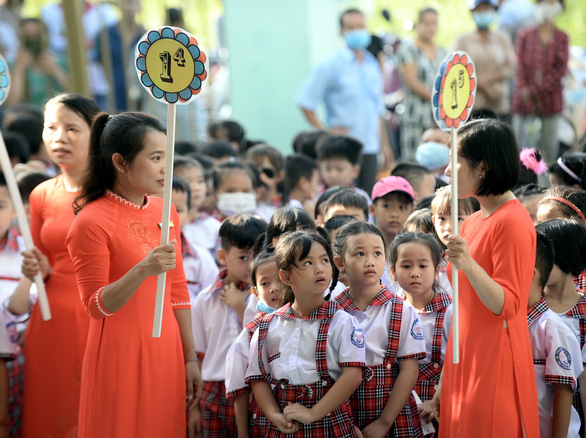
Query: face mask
x=261, y=306
x=230, y=204
x=357, y=39
x=547, y=12
x=483, y=19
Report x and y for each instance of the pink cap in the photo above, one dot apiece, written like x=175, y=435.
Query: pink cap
x=391, y=184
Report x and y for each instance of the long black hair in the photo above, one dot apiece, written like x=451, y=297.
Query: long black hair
x=123, y=134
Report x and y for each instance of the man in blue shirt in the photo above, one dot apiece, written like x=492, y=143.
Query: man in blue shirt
x=350, y=84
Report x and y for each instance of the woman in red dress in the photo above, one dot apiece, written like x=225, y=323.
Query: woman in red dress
x=132, y=385
x=491, y=392
x=54, y=349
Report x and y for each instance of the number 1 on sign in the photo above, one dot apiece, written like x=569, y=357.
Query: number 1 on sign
x=166, y=74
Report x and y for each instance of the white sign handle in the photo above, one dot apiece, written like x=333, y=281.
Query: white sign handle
x=455, y=310
x=23, y=224
x=166, y=222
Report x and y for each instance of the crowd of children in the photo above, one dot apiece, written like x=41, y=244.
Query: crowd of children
x=316, y=309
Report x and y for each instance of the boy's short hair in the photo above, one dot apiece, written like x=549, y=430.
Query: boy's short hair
x=259, y=151
x=423, y=220
x=336, y=222
x=340, y=146
x=298, y=166
x=241, y=231
x=324, y=197
x=307, y=142
x=544, y=258
x=412, y=172
x=30, y=128
x=442, y=203
x=347, y=198
x=569, y=243
x=232, y=130
x=184, y=147
x=28, y=181
x=223, y=169
x=16, y=146
x=218, y=149
x=180, y=185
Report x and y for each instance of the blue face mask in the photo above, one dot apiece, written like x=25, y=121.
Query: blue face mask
x=357, y=39
x=261, y=306
x=484, y=19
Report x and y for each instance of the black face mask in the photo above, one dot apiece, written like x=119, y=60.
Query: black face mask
x=35, y=45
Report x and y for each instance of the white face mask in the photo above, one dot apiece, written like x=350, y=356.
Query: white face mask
x=547, y=12
x=230, y=204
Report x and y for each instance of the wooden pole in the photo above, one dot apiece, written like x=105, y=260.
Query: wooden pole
x=72, y=12
x=455, y=310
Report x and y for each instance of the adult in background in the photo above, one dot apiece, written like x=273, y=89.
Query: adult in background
x=491, y=392
x=542, y=53
x=418, y=61
x=350, y=84
x=494, y=59
x=54, y=349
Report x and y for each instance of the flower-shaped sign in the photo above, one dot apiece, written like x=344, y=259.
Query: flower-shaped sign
x=170, y=64
x=454, y=91
x=4, y=80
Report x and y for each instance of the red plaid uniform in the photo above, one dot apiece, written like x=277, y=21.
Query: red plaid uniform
x=579, y=311
x=217, y=411
x=429, y=373
x=371, y=397
x=338, y=424
x=580, y=282
x=257, y=422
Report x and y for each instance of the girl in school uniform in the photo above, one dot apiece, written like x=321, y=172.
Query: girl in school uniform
x=383, y=404
x=560, y=293
x=415, y=264
x=268, y=289
x=310, y=350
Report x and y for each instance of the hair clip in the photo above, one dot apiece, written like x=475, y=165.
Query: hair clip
x=532, y=160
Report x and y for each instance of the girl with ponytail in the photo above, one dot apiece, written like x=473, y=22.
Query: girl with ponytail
x=114, y=243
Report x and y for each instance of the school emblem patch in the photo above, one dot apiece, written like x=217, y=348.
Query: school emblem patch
x=357, y=337
x=563, y=358
x=416, y=330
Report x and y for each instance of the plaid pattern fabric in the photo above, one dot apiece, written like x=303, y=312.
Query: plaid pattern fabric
x=535, y=312
x=186, y=248
x=564, y=380
x=339, y=422
x=219, y=284
x=257, y=422
x=429, y=373
x=253, y=324
x=10, y=242
x=16, y=381
x=217, y=411
x=371, y=397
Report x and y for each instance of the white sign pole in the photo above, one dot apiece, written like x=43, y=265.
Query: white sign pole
x=455, y=291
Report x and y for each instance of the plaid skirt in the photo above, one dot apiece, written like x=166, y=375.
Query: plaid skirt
x=217, y=411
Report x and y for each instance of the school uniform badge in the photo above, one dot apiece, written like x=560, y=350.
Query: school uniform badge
x=563, y=358
x=357, y=338
x=416, y=330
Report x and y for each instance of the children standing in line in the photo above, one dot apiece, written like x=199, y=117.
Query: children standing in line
x=218, y=320
x=201, y=229
x=268, y=289
x=198, y=264
x=556, y=354
x=569, y=242
x=382, y=405
x=309, y=349
x=415, y=264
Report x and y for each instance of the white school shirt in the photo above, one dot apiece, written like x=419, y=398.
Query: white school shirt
x=204, y=232
x=558, y=357
x=200, y=268
x=290, y=345
x=374, y=322
x=428, y=325
x=250, y=311
x=573, y=322
x=237, y=362
x=215, y=327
